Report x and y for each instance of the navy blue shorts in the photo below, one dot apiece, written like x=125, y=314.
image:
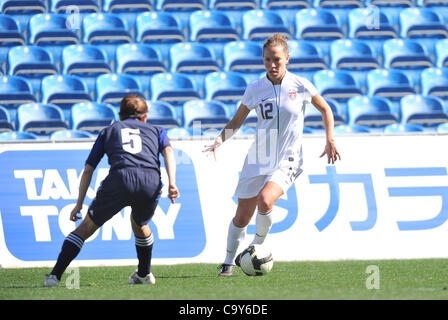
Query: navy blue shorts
x=138, y=188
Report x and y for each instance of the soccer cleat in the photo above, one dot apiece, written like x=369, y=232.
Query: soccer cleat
x=136, y=279
x=226, y=270
x=50, y=281
x=238, y=259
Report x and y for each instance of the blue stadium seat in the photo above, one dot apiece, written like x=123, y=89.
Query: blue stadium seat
x=5, y=120
x=389, y=83
x=85, y=60
x=440, y=6
x=232, y=5
x=51, y=30
x=350, y=129
x=391, y=8
x=258, y=25
x=75, y=6
x=434, y=82
x=180, y=5
x=354, y=55
x=370, y=111
x=210, y=25
x=399, y=128
x=31, y=62
x=442, y=128
x=175, y=88
x=155, y=27
x=179, y=133
x=243, y=56
x=408, y=55
x=92, y=116
x=40, y=118
x=10, y=35
x=17, y=135
x=340, y=8
x=138, y=58
x=211, y=114
x=126, y=6
x=112, y=87
x=286, y=8
x=337, y=84
x=420, y=23
x=224, y=86
x=305, y=58
x=192, y=57
x=313, y=117
x=22, y=10
x=64, y=91
x=441, y=53
x=162, y=114
x=106, y=30
x=425, y=110
x=14, y=91
x=317, y=24
x=68, y=134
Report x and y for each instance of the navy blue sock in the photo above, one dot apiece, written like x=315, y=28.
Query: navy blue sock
x=70, y=249
x=144, y=253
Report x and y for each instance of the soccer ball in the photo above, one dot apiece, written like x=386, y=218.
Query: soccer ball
x=256, y=260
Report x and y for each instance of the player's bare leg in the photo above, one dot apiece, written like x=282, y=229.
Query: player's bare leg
x=143, y=243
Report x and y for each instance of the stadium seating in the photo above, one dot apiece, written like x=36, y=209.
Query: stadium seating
x=192, y=57
x=434, y=82
x=152, y=27
x=442, y=128
x=424, y=110
x=232, y=5
x=209, y=25
x=51, y=30
x=5, y=120
x=305, y=58
x=162, y=114
x=17, y=135
x=224, y=86
x=337, y=84
x=441, y=53
x=126, y=6
x=31, y=62
x=173, y=88
x=112, y=87
x=10, y=35
x=82, y=6
x=179, y=133
x=70, y=135
x=313, y=117
x=210, y=114
x=40, y=118
x=350, y=129
x=15, y=90
x=22, y=10
x=370, y=111
x=257, y=25
x=421, y=22
x=64, y=91
x=399, y=128
x=244, y=56
x=92, y=116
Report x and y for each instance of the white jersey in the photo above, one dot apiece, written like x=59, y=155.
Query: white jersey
x=280, y=112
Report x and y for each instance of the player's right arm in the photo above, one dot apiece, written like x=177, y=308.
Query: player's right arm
x=84, y=184
x=170, y=166
x=229, y=130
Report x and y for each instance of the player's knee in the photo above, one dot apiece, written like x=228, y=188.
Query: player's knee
x=265, y=203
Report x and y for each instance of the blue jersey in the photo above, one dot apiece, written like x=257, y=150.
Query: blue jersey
x=129, y=143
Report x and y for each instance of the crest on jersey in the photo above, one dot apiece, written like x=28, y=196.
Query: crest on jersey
x=292, y=94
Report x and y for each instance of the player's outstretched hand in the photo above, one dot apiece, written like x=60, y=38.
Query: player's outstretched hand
x=212, y=147
x=173, y=192
x=332, y=152
x=74, y=214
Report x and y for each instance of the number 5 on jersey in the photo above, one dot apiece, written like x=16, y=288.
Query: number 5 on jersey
x=131, y=140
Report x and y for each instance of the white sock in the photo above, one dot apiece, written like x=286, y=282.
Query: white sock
x=234, y=237
x=263, y=223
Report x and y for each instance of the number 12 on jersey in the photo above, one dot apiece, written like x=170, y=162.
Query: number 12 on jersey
x=266, y=110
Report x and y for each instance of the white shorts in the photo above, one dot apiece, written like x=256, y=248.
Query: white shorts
x=284, y=177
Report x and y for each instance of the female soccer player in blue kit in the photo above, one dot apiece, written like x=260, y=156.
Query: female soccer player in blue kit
x=133, y=147
x=279, y=98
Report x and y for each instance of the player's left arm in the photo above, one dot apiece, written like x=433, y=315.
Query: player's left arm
x=170, y=166
x=84, y=184
x=327, y=117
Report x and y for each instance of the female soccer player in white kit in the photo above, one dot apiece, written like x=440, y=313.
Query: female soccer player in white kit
x=274, y=161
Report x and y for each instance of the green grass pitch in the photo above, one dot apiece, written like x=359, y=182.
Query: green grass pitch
x=342, y=280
